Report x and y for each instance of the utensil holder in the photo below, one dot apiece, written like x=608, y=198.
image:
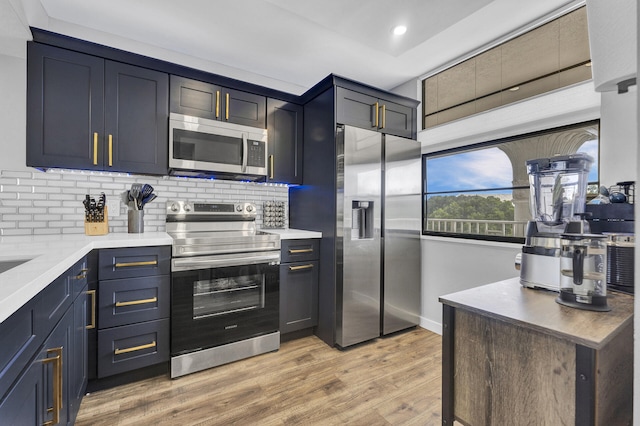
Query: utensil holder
x=98, y=228
x=136, y=221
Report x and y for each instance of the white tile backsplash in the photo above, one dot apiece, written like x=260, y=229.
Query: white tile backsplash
x=42, y=203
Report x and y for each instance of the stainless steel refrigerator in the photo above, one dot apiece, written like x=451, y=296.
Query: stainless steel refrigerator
x=363, y=193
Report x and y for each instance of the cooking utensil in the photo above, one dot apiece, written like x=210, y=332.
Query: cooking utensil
x=136, y=188
x=149, y=198
x=146, y=190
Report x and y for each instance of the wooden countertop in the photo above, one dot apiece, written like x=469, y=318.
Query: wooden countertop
x=537, y=310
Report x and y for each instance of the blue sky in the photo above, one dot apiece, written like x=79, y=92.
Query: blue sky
x=484, y=168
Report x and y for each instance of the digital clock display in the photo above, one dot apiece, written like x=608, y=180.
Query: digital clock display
x=213, y=208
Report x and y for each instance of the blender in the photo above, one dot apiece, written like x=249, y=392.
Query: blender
x=558, y=192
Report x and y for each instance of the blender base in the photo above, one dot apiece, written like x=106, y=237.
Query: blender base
x=598, y=303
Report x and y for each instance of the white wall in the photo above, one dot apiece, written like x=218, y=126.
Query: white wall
x=13, y=86
x=449, y=265
x=620, y=132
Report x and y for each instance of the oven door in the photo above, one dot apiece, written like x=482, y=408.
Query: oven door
x=231, y=300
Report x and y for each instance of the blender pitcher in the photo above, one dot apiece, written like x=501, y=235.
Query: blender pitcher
x=583, y=272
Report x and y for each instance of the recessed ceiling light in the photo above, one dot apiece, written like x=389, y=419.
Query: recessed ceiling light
x=399, y=30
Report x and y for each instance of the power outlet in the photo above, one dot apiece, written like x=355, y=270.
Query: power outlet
x=113, y=204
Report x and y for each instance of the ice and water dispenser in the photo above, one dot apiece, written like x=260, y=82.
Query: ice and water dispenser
x=361, y=220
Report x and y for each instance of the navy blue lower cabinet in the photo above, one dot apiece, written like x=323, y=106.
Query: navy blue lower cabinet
x=298, y=296
x=299, y=284
x=134, y=346
x=43, y=354
x=79, y=354
x=41, y=394
x=23, y=404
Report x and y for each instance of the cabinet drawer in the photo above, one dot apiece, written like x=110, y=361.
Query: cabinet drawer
x=134, y=262
x=299, y=250
x=131, y=347
x=133, y=300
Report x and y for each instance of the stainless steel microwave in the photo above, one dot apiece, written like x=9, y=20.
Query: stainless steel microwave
x=204, y=147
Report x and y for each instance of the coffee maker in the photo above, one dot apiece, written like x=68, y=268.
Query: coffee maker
x=558, y=192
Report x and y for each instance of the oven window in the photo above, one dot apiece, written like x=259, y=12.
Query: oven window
x=220, y=296
x=206, y=147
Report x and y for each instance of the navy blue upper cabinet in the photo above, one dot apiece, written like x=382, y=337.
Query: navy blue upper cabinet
x=375, y=113
x=85, y=112
x=206, y=100
x=285, y=135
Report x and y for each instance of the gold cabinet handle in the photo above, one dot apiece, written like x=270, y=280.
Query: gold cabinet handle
x=376, y=115
x=271, y=166
x=92, y=293
x=217, y=103
x=82, y=275
x=226, y=113
x=135, y=348
x=57, y=385
x=95, y=148
x=110, y=150
x=136, y=302
x=300, y=267
x=130, y=264
x=384, y=115
x=297, y=251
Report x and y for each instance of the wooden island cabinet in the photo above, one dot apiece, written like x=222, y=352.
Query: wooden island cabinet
x=512, y=355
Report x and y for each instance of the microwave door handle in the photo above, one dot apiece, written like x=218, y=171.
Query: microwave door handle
x=245, y=152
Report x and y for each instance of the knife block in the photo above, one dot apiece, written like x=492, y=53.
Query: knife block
x=98, y=228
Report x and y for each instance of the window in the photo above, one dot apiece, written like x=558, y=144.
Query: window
x=482, y=191
x=546, y=58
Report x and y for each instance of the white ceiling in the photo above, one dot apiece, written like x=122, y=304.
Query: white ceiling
x=292, y=44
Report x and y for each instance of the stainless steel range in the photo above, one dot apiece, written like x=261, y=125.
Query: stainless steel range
x=224, y=285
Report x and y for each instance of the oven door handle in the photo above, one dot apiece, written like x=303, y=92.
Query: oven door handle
x=206, y=262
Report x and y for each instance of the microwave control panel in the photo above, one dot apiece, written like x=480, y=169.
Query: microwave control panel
x=257, y=154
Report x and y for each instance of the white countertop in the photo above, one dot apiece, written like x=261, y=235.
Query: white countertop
x=50, y=256
x=293, y=234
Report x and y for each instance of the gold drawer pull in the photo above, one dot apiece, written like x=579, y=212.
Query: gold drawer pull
x=92, y=293
x=57, y=385
x=297, y=251
x=300, y=267
x=136, y=302
x=135, y=348
x=129, y=264
x=82, y=275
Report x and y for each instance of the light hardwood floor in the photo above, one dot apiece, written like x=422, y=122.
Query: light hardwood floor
x=390, y=381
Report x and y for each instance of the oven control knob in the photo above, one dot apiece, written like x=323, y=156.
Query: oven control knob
x=175, y=207
x=249, y=208
x=187, y=208
x=239, y=208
